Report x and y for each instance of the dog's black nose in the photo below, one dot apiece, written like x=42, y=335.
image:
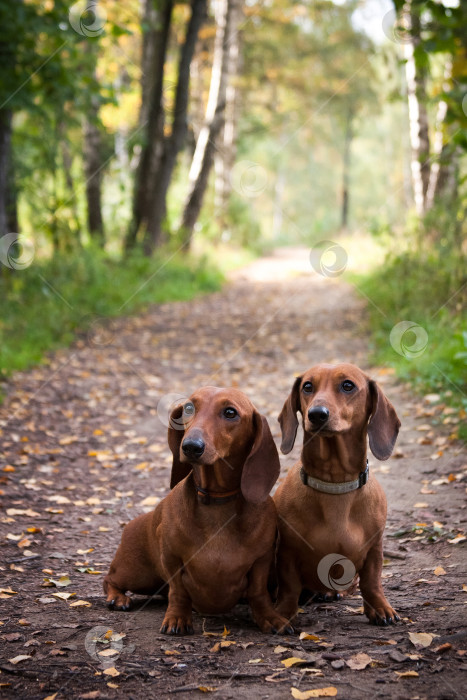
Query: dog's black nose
x=318, y=415
x=193, y=447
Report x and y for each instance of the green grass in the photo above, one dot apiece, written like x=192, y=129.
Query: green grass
x=48, y=303
x=426, y=289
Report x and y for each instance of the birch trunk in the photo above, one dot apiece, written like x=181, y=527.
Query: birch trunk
x=418, y=118
x=224, y=158
x=226, y=13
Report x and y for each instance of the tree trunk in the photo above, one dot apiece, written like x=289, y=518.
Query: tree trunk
x=174, y=142
x=71, y=189
x=348, y=137
x=5, y=170
x=438, y=141
x=418, y=118
x=206, y=144
x=93, y=172
x=224, y=158
x=156, y=23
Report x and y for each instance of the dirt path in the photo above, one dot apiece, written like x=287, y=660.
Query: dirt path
x=84, y=446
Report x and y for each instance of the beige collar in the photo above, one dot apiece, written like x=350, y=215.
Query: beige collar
x=334, y=487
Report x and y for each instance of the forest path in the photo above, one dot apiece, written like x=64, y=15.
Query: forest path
x=84, y=444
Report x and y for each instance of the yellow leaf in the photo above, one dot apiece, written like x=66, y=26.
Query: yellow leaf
x=8, y=591
x=464, y=588
x=226, y=632
x=329, y=692
x=255, y=661
x=63, y=596
x=171, y=652
x=141, y=466
x=51, y=697
x=215, y=648
x=312, y=637
x=439, y=571
x=292, y=660
x=113, y=685
x=150, y=501
x=112, y=671
x=207, y=688
x=227, y=643
x=359, y=661
x=9, y=468
x=98, y=432
x=81, y=604
x=406, y=674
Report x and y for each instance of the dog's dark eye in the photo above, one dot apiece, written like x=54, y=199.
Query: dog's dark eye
x=230, y=412
x=189, y=409
x=307, y=387
x=347, y=385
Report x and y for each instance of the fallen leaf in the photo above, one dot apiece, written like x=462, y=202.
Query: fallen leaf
x=280, y=650
x=112, y=671
x=422, y=639
x=439, y=571
x=420, y=505
x=207, y=688
x=63, y=596
x=113, y=685
x=457, y=539
x=81, y=604
x=16, y=511
x=18, y=659
x=255, y=661
x=111, y=652
x=329, y=692
x=442, y=648
x=150, y=501
x=226, y=632
x=312, y=637
x=358, y=662
x=406, y=674
x=292, y=661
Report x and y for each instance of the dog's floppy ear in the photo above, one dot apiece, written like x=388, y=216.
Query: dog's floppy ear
x=288, y=418
x=175, y=436
x=262, y=465
x=384, y=424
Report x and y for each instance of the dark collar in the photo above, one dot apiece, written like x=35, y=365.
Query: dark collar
x=216, y=498
x=333, y=487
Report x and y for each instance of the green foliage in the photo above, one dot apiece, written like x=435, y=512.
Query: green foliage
x=421, y=287
x=51, y=301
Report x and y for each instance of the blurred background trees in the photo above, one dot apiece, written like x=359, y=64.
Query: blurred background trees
x=139, y=129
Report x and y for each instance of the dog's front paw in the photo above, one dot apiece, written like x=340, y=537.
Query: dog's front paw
x=275, y=624
x=118, y=601
x=177, y=624
x=381, y=614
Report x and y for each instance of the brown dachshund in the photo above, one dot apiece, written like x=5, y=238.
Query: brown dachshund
x=211, y=541
x=332, y=513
